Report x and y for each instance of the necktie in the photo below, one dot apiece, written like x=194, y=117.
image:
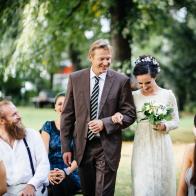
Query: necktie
x=94, y=105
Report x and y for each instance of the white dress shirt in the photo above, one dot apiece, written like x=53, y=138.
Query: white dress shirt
x=17, y=163
x=101, y=85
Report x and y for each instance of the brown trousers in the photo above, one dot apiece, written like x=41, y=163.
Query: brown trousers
x=97, y=179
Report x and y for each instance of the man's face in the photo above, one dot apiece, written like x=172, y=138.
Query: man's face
x=11, y=114
x=100, y=60
x=59, y=104
x=12, y=122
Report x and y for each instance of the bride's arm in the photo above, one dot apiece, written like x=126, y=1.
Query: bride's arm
x=117, y=118
x=172, y=124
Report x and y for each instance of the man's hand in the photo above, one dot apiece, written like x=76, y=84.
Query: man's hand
x=96, y=126
x=67, y=158
x=29, y=190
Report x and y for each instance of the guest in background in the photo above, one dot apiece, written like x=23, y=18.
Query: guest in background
x=63, y=180
x=23, y=154
x=187, y=181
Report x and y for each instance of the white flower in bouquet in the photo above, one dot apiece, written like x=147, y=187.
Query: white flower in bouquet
x=162, y=110
x=147, y=107
x=156, y=113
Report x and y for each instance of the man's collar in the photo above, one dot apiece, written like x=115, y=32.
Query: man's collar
x=102, y=76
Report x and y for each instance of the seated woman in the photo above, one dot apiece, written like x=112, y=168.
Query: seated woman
x=3, y=184
x=63, y=180
x=187, y=181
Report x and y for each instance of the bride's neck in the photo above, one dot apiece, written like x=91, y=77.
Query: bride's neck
x=153, y=91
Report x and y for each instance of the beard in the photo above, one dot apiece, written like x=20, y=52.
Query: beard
x=15, y=130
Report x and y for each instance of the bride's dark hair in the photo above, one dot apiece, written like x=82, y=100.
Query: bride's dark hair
x=193, y=178
x=146, y=64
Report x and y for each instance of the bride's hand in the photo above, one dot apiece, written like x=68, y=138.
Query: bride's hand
x=117, y=118
x=159, y=127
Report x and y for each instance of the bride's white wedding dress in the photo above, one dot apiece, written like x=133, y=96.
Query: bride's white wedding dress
x=153, y=172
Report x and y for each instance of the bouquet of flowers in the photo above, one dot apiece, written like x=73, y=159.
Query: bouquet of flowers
x=156, y=113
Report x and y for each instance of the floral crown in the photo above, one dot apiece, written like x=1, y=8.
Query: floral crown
x=147, y=59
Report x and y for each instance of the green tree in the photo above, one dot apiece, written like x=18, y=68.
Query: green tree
x=36, y=36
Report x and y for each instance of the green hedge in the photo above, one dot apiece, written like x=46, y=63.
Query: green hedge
x=128, y=134
x=190, y=107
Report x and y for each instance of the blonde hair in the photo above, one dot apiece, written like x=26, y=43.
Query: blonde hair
x=101, y=43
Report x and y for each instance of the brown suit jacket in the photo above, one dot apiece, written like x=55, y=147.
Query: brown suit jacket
x=116, y=97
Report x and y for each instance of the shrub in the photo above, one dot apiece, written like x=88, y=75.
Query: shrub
x=190, y=107
x=128, y=134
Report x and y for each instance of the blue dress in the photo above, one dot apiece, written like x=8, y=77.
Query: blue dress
x=55, y=155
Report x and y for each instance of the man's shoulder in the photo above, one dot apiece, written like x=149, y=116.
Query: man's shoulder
x=117, y=74
x=31, y=133
x=29, y=130
x=79, y=73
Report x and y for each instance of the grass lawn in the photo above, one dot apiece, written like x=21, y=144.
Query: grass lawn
x=35, y=118
x=184, y=133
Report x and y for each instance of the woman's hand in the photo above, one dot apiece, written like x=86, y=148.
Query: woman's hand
x=159, y=127
x=117, y=118
x=56, y=176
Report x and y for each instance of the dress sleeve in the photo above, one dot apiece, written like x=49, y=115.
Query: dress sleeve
x=46, y=127
x=172, y=124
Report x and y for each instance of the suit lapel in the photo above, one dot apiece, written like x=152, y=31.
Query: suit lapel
x=86, y=88
x=106, y=89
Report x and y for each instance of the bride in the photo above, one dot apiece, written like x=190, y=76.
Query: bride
x=153, y=172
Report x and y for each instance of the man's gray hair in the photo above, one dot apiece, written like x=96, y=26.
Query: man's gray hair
x=100, y=43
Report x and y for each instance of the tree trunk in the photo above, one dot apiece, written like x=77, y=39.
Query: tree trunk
x=121, y=48
x=51, y=80
x=121, y=44
x=74, y=55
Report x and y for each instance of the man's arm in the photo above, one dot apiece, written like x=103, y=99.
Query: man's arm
x=126, y=108
x=67, y=123
x=29, y=190
x=40, y=158
x=3, y=184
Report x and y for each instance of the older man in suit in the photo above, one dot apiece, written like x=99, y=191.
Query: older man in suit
x=93, y=96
